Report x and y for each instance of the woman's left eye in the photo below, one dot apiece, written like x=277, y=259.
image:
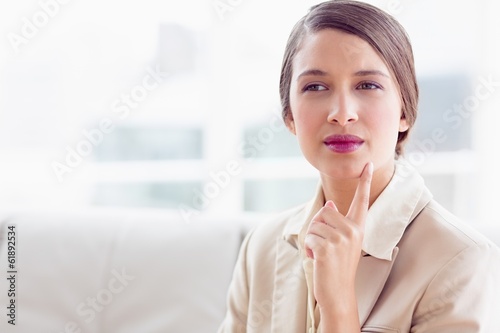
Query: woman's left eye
x=368, y=86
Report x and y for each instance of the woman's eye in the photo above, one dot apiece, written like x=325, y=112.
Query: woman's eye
x=368, y=86
x=314, y=87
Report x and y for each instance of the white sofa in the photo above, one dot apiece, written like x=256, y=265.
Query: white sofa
x=120, y=272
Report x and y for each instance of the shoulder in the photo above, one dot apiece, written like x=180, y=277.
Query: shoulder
x=438, y=237
x=438, y=222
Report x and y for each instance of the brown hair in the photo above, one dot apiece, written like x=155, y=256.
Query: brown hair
x=374, y=26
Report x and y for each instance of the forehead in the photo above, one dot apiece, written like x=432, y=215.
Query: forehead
x=336, y=50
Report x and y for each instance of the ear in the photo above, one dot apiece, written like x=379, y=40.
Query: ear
x=403, y=124
x=290, y=123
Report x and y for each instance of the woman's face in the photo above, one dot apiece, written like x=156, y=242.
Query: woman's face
x=345, y=105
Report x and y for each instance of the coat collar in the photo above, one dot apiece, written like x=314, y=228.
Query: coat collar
x=402, y=199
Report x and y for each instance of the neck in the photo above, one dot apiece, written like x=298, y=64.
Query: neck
x=341, y=190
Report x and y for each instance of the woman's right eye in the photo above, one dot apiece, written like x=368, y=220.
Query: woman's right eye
x=314, y=87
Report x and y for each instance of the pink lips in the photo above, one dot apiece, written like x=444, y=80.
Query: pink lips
x=343, y=144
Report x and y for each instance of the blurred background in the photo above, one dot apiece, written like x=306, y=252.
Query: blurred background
x=174, y=105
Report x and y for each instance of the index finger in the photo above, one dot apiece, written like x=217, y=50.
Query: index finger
x=359, y=205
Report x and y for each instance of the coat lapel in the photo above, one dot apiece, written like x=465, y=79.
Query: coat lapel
x=371, y=277
x=290, y=291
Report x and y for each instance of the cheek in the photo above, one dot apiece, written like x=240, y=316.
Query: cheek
x=303, y=127
x=306, y=129
x=385, y=121
x=307, y=122
x=304, y=115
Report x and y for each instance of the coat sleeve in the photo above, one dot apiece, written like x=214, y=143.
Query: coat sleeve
x=464, y=295
x=235, y=320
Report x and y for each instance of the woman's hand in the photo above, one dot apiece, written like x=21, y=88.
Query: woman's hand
x=334, y=242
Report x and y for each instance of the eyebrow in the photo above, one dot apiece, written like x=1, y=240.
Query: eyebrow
x=318, y=72
x=312, y=72
x=371, y=72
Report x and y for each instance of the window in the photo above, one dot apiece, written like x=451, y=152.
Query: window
x=175, y=106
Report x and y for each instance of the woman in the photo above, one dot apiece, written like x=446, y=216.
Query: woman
x=372, y=252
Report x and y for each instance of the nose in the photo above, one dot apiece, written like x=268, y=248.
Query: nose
x=343, y=111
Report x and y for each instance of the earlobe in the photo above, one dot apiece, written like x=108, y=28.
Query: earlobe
x=291, y=126
x=403, y=124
